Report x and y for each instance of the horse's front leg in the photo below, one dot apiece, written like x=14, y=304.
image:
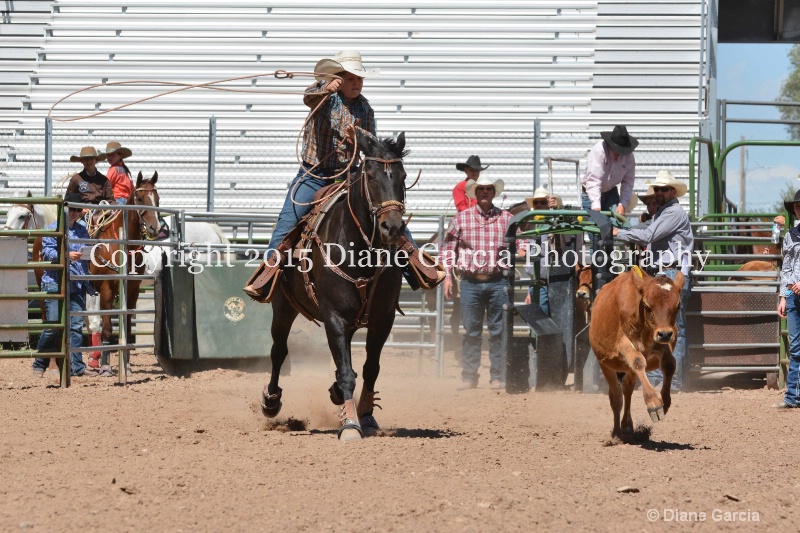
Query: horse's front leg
x=106, y=302
x=376, y=337
x=340, y=336
x=283, y=316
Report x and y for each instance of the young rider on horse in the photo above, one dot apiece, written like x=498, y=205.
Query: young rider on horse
x=329, y=142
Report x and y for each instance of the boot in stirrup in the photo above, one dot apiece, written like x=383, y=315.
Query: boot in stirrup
x=424, y=268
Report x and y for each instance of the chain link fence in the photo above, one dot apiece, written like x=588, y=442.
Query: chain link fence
x=253, y=167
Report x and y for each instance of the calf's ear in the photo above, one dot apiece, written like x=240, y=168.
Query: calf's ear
x=680, y=279
x=638, y=281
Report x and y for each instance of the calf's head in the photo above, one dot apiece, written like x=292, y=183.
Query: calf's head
x=661, y=300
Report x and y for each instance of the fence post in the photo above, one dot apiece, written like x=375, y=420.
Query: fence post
x=212, y=161
x=48, y=156
x=537, y=151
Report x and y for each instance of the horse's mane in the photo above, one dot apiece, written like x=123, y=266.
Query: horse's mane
x=391, y=145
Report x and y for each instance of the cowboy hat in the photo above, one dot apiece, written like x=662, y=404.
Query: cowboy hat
x=73, y=197
x=538, y=194
x=87, y=152
x=347, y=61
x=115, y=147
x=619, y=140
x=790, y=205
x=649, y=194
x=632, y=202
x=483, y=180
x=665, y=179
x=473, y=162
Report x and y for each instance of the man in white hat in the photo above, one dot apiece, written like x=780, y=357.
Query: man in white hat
x=610, y=163
x=473, y=244
x=472, y=168
x=328, y=144
x=670, y=242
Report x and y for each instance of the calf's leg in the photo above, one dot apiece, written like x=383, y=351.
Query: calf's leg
x=614, y=396
x=638, y=364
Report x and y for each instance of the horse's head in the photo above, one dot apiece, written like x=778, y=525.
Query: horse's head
x=146, y=194
x=20, y=216
x=384, y=184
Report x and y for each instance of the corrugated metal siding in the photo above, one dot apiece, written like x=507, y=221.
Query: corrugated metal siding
x=461, y=76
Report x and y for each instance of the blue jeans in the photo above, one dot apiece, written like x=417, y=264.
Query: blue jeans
x=792, y=396
x=121, y=201
x=680, y=344
x=291, y=213
x=544, y=299
x=477, y=300
x=608, y=200
x=49, y=339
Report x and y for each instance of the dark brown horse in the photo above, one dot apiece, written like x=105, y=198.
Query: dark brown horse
x=367, y=220
x=106, y=258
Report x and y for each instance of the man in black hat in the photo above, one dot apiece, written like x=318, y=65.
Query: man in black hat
x=472, y=168
x=610, y=162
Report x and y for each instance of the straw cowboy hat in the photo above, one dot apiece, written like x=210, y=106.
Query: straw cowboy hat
x=649, y=194
x=473, y=162
x=790, y=205
x=632, y=202
x=87, y=152
x=538, y=194
x=115, y=147
x=347, y=61
x=619, y=140
x=483, y=180
x=665, y=179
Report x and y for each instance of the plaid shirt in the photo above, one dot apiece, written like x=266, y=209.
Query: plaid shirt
x=324, y=132
x=473, y=231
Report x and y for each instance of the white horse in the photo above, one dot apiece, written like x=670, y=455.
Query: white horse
x=196, y=236
x=30, y=216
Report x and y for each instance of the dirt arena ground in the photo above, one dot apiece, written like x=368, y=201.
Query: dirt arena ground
x=195, y=454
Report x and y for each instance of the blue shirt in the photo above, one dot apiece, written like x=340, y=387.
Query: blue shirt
x=50, y=253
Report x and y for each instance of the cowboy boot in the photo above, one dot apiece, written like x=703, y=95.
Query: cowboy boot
x=424, y=268
x=262, y=283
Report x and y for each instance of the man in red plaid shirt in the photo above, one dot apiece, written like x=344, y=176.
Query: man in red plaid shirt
x=475, y=244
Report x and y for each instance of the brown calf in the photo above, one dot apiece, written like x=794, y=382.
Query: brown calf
x=755, y=266
x=632, y=331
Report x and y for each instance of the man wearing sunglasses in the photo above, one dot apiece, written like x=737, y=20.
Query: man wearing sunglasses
x=670, y=240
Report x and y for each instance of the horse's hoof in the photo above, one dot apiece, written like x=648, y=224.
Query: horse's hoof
x=271, y=404
x=336, y=394
x=350, y=431
x=369, y=426
x=349, y=435
x=656, y=413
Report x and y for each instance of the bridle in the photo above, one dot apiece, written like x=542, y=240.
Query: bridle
x=31, y=216
x=375, y=211
x=140, y=212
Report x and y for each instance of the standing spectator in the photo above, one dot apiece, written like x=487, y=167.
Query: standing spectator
x=118, y=172
x=789, y=305
x=473, y=243
x=472, y=168
x=541, y=201
x=329, y=141
x=671, y=242
x=610, y=163
x=77, y=291
x=89, y=183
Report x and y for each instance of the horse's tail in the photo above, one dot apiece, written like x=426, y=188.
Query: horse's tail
x=222, y=238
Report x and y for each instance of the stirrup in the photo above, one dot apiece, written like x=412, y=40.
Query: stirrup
x=261, y=285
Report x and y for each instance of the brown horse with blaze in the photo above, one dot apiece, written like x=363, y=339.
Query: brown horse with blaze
x=633, y=330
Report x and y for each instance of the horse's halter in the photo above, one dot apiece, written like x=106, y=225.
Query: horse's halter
x=31, y=217
x=140, y=212
x=376, y=210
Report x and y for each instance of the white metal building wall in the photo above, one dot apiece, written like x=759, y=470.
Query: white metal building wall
x=490, y=69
